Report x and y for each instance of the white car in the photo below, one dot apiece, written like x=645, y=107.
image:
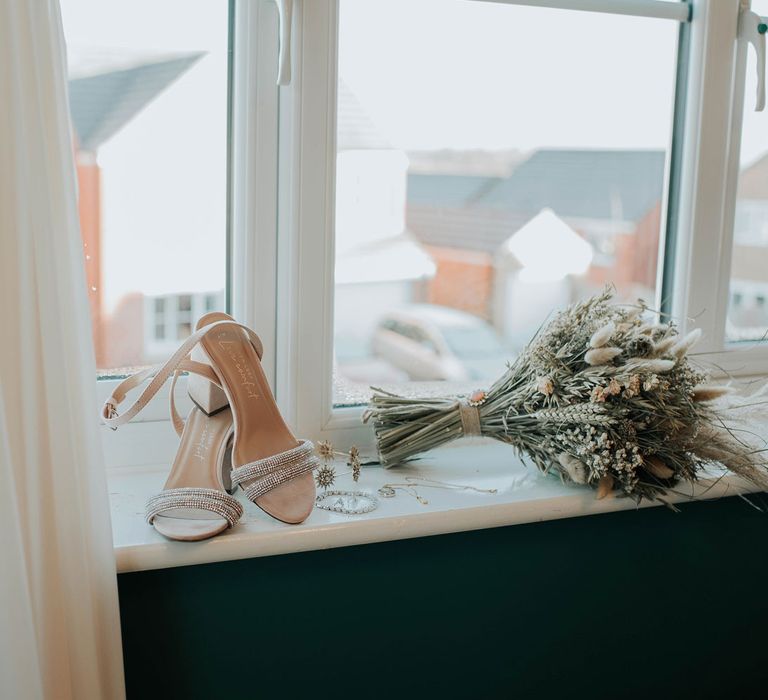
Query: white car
x=439, y=343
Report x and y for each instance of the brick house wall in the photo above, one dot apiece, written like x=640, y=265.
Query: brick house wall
x=89, y=210
x=463, y=280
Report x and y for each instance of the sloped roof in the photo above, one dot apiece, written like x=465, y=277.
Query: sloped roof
x=354, y=128
x=448, y=190
x=480, y=213
x=469, y=228
x=101, y=104
x=590, y=184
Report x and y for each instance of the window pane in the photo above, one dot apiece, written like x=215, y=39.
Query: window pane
x=185, y=303
x=747, y=318
x=516, y=166
x=148, y=97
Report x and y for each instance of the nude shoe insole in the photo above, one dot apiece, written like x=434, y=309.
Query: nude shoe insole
x=260, y=430
x=198, y=464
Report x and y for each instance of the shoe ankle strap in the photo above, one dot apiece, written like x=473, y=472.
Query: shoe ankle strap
x=179, y=362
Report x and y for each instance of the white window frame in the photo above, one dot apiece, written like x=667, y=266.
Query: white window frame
x=308, y=150
x=283, y=200
x=709, y=179
x=149, y=440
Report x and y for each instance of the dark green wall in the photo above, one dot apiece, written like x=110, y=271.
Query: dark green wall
x=636, y=604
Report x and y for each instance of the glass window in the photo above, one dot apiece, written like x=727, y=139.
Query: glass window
x=185, y=303
x=148, y=97
x=747, y=318
x=516, y=166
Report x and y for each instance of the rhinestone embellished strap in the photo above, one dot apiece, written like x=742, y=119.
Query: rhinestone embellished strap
x=273, y=480
x=262, y=467
x=212, y=500
x=275, y=470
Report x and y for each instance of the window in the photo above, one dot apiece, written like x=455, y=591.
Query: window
x=434, y=179
x=148, y=98
x=170, y=318
x=477, y=190
x=747, y=321
x=418, y=172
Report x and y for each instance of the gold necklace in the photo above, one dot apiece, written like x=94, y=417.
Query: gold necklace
x=411, y=482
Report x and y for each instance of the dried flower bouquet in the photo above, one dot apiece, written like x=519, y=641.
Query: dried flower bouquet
x=601, y=396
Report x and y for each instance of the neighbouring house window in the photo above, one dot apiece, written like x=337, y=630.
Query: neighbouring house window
x=211, y=302
x=479, y=187
x=184, y=316
x=148, y=90
x=169, y=319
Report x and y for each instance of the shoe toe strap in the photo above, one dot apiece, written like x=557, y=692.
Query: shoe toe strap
x=218, y=502
x=271, y=472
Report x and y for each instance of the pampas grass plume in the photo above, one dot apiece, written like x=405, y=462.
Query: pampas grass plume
x=650, y=366
x=603, y=335
x=601, y=356
x=683, y=346
x=574, y=467
x=706, y=392
x=656, y=467
x=604, y=486
x=663, y=346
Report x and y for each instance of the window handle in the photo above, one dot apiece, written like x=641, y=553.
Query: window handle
x=752, y=29
x=285, y=14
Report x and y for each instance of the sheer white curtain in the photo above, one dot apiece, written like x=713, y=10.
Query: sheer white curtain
x=59, y=618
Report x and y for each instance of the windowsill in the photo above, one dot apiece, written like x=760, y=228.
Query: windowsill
x=523, y=496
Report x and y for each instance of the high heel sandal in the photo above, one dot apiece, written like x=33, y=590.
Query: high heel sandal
x=273, y=468
x=233, y=406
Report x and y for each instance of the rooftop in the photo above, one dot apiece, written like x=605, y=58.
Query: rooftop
x=480, y=212
x=591, y=184
x=355, y=130
x=102, y=103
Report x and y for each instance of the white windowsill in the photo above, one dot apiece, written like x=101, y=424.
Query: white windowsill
x=523, y=496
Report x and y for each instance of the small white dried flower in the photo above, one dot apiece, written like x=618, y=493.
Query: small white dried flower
x=686, y=343
x=601, y=336
x=574, y=467
x=545, y=386
x=651, y=383
x=632, y=387
x=601, y=356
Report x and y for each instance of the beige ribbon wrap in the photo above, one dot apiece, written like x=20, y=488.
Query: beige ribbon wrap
x=470, y=419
